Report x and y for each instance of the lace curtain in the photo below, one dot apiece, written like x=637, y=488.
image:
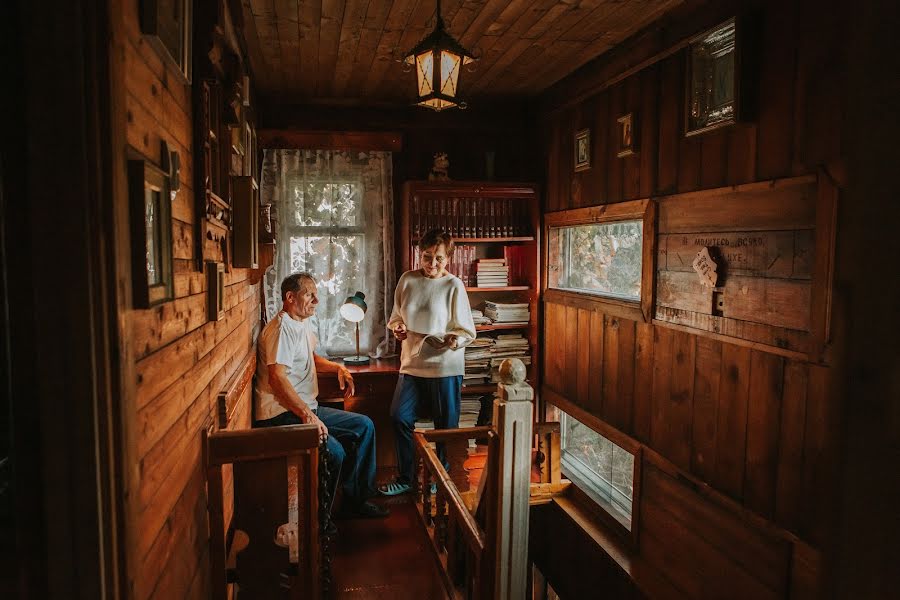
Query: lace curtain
x=335, y=219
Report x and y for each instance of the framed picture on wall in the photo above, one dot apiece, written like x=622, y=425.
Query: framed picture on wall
x=215, y=290
x=626, y=135
x=583, y=150
x=712, y=79
x=167, y=25
x=151, y=234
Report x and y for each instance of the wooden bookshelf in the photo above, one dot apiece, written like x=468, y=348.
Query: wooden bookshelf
x=484, y=219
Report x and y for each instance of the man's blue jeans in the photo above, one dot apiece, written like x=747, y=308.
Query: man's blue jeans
x=349, y=434
x=442, y=395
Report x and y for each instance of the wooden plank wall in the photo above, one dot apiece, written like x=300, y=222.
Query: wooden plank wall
x=182, y=359
x=740, y=440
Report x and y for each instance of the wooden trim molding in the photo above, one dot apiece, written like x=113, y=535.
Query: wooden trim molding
x=386, y=141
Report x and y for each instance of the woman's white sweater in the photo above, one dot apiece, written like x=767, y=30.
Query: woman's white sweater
x=432, y=307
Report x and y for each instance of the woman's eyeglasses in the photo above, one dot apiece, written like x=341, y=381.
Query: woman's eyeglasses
x=439, y=259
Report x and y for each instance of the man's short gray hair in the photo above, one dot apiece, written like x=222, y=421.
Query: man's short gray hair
x=293, y=282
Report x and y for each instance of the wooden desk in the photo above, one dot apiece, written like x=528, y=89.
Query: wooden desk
x=375, y=385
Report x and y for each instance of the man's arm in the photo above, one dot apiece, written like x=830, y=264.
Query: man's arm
x=345, y=379
x=288, y=397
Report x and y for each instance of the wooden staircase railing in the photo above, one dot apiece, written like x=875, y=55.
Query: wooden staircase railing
x=480, y=536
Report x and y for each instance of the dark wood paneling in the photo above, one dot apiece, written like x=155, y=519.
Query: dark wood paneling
x=731, y=429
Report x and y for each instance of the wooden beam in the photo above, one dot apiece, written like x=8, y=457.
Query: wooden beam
x=387, y=141
x=257, y=444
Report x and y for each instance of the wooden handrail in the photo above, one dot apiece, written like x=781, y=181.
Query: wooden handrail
x=473, y=534
x=463, y=433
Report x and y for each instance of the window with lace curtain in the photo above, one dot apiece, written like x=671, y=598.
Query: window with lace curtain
x=334, y=214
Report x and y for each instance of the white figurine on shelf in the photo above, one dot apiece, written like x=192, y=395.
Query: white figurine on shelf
x=440, y=168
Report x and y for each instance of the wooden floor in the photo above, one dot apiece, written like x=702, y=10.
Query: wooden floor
x=385, y=558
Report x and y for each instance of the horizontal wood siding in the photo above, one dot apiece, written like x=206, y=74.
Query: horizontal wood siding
x=182, y=359
x=733, y=410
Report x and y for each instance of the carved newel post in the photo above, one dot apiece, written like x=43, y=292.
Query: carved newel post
x=513, y=422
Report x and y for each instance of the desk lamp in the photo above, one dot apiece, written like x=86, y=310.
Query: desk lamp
x=354, y=310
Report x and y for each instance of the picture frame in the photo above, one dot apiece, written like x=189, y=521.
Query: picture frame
x=150, y=210
x=245, y=203
x=626, y=135
x=215, y=290
x=168, y=25
x=712, y=86
x=582, y=150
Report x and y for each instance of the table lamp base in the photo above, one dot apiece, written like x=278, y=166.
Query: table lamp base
x=356, y=360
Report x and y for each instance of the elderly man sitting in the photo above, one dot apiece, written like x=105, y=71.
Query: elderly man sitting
x=287, y=388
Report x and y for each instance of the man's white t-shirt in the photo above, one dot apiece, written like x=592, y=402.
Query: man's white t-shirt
x=286, y=341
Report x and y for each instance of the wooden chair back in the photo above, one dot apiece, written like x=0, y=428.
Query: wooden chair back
x=275, y=549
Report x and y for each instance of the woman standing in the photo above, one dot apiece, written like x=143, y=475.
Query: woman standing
x=433, y=318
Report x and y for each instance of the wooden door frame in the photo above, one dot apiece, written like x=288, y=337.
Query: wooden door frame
x=63, y=185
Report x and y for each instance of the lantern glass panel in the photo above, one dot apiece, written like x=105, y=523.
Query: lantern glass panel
x=449, y=72
x=425, y=73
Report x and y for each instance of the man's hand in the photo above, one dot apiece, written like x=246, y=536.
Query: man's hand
x=345, y=381
x=400, y=332
x=450, y=340
x=313, y=419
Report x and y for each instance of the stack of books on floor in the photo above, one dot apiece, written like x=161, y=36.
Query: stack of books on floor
x=512, y=345
x=507, y=313
x=478, y=361
x=492, y=272
x=479, y=318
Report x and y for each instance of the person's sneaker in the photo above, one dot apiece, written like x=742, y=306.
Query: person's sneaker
x=395, y=488
x=368, y=510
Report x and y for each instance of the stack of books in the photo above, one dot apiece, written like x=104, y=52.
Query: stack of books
x=492, y=272
x=512, y=345
x=479, y=318
x=469, y=407
x=478, y=361
x=498, y=312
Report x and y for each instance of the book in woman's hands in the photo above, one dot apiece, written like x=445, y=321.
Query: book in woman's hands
x=436, y=341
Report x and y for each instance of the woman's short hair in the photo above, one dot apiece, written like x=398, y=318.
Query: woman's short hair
x=436, y=237
x=293, y=282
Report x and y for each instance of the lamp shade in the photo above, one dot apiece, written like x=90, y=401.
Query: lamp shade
x=354, y=307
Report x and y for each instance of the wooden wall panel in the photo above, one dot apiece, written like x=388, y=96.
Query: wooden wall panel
x=181, y=360
x=736, y=411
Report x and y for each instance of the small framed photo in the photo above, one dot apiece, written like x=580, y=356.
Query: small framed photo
x=168, y=26
x=215, y=290
x=151, y=234
x=626, y=133
x=583, y=150
x=712, y=79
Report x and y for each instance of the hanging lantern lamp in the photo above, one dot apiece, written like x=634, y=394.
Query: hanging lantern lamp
x=437, y=60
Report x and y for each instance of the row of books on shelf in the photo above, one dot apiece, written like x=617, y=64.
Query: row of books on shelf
x=471, y=217
x=483, y=272
x=487, y=352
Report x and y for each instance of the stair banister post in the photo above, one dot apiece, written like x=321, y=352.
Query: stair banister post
x=513, y=414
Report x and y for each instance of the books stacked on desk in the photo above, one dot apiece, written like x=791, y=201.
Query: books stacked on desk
x=478, y=361
x=507, y=313
x=492, y=272
x=469, y=407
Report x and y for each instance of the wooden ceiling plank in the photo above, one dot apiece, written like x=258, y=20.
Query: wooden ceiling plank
x=329, y=39
x=261, y=77
x=373, y=28
x=554, y=45
x=309, y=17
x=510, y=45
x=288, y=42
x=351, y=31
x=621, y=26
x=467, y=13
x=264, y=15
x=398, y=17
x=420, y=23
x=488, y=16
